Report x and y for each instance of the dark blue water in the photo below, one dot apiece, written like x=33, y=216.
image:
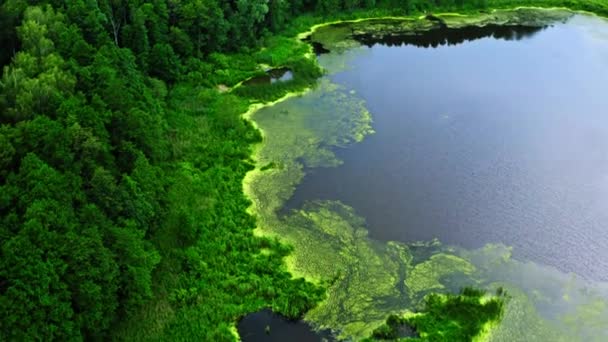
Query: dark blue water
x=492, y=140
x=268, y=327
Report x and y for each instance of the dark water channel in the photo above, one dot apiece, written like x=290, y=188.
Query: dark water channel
x=487, y=135
x=269, y=327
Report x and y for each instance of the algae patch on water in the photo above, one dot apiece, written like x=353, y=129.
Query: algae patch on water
x=427, y=275
x=299, y=133
x=366, y=279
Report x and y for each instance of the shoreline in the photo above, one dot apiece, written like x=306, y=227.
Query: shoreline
x=253, y=108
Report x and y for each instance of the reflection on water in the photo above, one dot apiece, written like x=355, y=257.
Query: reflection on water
x=450, y=36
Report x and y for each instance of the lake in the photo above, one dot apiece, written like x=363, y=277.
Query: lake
x=491, y=140
x=457, y=157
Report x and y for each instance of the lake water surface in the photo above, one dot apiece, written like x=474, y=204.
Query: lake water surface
x=492, y=140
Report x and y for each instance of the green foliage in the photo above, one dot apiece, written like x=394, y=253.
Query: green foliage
x=446, y=317
x=164, y=63
x=122, y=213
x=305, y=74
x=78, y=197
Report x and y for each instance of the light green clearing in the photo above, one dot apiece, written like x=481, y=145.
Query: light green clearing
x=366, y=279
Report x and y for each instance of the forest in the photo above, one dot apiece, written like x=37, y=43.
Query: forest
x=122, y=155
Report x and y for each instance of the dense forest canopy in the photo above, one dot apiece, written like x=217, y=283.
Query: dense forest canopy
x=121, y=164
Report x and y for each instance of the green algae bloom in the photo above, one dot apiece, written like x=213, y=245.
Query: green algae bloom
x=427, y=275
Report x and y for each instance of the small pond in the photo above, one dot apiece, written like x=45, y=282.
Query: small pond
x=271, y=76
x=269, y=327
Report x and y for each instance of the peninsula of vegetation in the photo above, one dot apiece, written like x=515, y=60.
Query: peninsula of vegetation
x=139, y=191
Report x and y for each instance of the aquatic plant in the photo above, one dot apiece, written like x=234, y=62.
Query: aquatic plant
x=446, y=317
